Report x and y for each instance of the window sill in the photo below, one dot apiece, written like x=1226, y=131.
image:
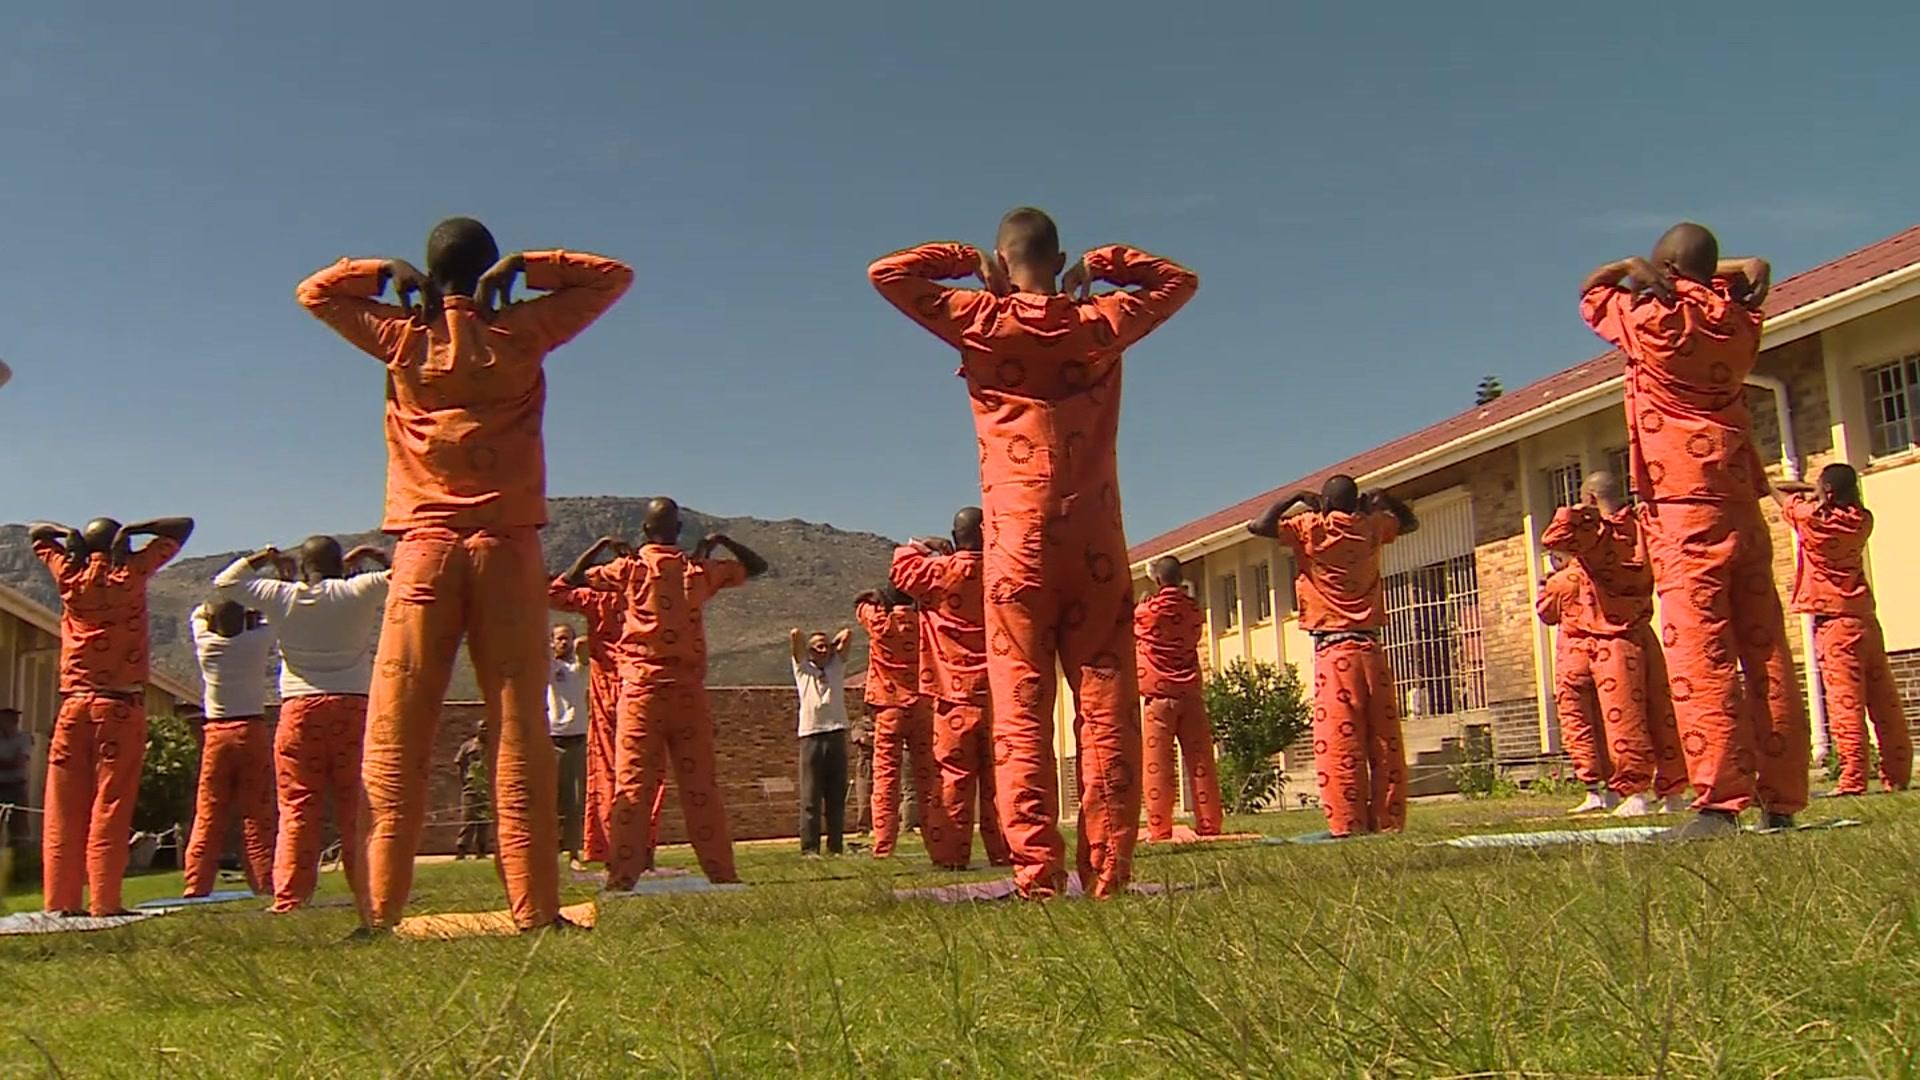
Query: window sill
x=1909, y=456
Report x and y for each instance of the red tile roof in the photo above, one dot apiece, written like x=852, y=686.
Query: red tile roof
x=1895, y=252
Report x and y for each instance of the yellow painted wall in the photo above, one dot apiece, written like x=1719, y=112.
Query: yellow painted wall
x=1894, y=495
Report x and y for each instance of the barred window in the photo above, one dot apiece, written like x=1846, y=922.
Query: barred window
x=1893, y=402
x=1229, y=601
x=1563, y=484
x=1263, y=592
x=1620, y=464
x=1433, y=637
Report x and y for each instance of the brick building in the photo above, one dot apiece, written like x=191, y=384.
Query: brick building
x=1838, y=380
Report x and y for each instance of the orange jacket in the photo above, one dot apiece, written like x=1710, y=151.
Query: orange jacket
x=1830, y=576
x=466, y=394
x=1337, y=555
x=1566, y=600
x=893, y=654
x=103, y=615
x=606, y=615
x=953, y=623
x=663, y=641
x=1690, y=434
x=1166, y=643
x=1611, y=550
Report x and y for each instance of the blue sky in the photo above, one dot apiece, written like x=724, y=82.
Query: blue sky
x=1381, y=211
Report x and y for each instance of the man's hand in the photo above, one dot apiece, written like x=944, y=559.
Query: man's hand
x=1794, y=487
x=495, y=288
x=1747, y=279
x=992, y=272
x=931, y=545
x=266, y=556
x=1078, y=280
x=619, y=547
x=405, y=279
x=1643, y=278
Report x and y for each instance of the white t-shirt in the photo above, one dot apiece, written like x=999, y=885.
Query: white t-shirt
x=232, y=669
x=823, y=705
x=326, y=628
x=567, y=684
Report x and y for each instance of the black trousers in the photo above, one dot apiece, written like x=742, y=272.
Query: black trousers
x=823, y=790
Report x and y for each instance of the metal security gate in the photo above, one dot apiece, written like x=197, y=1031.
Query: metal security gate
x=1433, y=634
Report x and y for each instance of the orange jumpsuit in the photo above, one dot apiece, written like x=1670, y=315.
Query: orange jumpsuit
x=606, y=615
x=662, y=652
x=1830, y=583
x=902, y=720
x=1043, y=373
x=954, y=673
x=1693, y=457
x=466, y=495
x=1360, y=759
x=1166, y=635
x=1626, y=665
x=1564, y=602
x=100, y=735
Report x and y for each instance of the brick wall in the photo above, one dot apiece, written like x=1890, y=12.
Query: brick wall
x=1516, y=728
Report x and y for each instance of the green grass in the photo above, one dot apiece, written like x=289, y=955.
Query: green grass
x=1785, y=955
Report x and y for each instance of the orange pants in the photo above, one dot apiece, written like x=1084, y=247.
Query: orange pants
x=963, y=746
x=903, y=732
x=658, y=723
x=1574, y=699
x=1181, y=720
x=1628, y=680
x=93, y=780
x=316, y=758
x=1058, y=600
x=1853, y=663
x=236, y=774
x=1358, y=755
x=1720, y=616
x=490, y=588
x=603, y=715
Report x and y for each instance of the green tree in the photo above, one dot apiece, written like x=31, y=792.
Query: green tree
x=1488, y=391
x=1258, y=709
x=167, y=777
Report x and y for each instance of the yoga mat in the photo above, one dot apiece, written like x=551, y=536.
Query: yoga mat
x=1184, y=835
x=1321, y=837
x=455, y=925
x=45, y=922
x=595, y=877
x=1811, y=826
x=175, y=903
x=1002, y=889
x=1629, y=834
x=673, y=885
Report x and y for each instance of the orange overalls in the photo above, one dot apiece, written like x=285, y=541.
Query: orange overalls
x=1359, y=757
x=1625, y=665
x=466, y=495
x=606, y=615
x=1693, y=458
x=1830, y=583
x=954, y=674
x=1565, y=602
x=662, y=652
x=1043, y=373
x=902, y=720
x=1166, y=635
x=100, y=735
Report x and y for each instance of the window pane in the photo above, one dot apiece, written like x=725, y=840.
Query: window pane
x=1893, y=405
x=1433, y=638
x=1230, y=601
x=1263, y=592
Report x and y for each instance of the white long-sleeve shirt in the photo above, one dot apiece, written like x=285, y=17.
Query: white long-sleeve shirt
x=823, y=705
x=566, y=697
x=233, y=670
x=326, y=627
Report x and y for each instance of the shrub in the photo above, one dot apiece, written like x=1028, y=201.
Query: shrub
x=167, y=779
x=1258, y=710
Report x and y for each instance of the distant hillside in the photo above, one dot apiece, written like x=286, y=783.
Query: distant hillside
x=817, y=569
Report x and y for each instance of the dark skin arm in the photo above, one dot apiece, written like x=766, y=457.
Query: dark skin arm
x=1784, y=491
x=754, y=564
x=368, y=553
x=576, y=574
x=1268, y=524
x=1635, y=274
x=279, y=560
x=1380, y=500
x=1752, y=278
x=52, y=532
x=176, y=529
x=871, y=596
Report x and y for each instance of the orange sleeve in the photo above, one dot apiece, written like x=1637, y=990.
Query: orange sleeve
x=1797, y=510
x=1153, y=289
x=158, y=552
x=725, y=574
x=53, y=557
x=918, y=575
x=1386, y=527
x=1553, y=597
x=611, y=576
x=1572, y=531
x=911, y=281
x=1294, y=530
x=342, y=296
x=579, y=289
x=574, y=598
x=1605, y=308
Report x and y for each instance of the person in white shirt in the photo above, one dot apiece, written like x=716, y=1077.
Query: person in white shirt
x=819, y=668
x=568, y=680
x=327, y=623
x=233, y=646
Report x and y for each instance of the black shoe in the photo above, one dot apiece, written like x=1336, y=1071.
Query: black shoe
x=363, y=934
x=1705, y=825
x=1779, y=823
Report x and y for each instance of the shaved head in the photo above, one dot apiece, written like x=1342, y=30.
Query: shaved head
x=893, y=597
x=1340, y=492
x=1688, y=250
x=320, y=559
x=100, y=534
x=459, y=250
x=966, y=529
x=662, y=523
x=227, y=618
x=1603, y=489
x=1029, y=238
x=1166, y=571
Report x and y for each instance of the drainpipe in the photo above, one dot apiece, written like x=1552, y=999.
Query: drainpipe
x=1790, y=461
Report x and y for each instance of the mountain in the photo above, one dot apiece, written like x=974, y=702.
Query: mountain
x=816, y=571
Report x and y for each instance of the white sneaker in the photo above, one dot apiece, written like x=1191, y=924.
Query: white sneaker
x=1595, y=801
x=1676, y=804
x=1635, y=806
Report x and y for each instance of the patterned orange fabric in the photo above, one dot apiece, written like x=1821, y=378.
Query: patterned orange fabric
x=1859, y=681
x=316, y=762
x=93, y=781
x=903, y=731
x=1611, y=550
x=1582, y=737
x=1043, y=374
x=103, y=616
x=963, y=747
x=465, y=392
x=1691, y=435
x=1830, y=576
x=663, y=641
x=606, y=615
x=893, y=655
x=662, y=726
x=1358, y=754
x=1337, y=559
x=953, y=635
x=1166, y=639
x=236, y=776
x=1180, y=719
x=1566, y=600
